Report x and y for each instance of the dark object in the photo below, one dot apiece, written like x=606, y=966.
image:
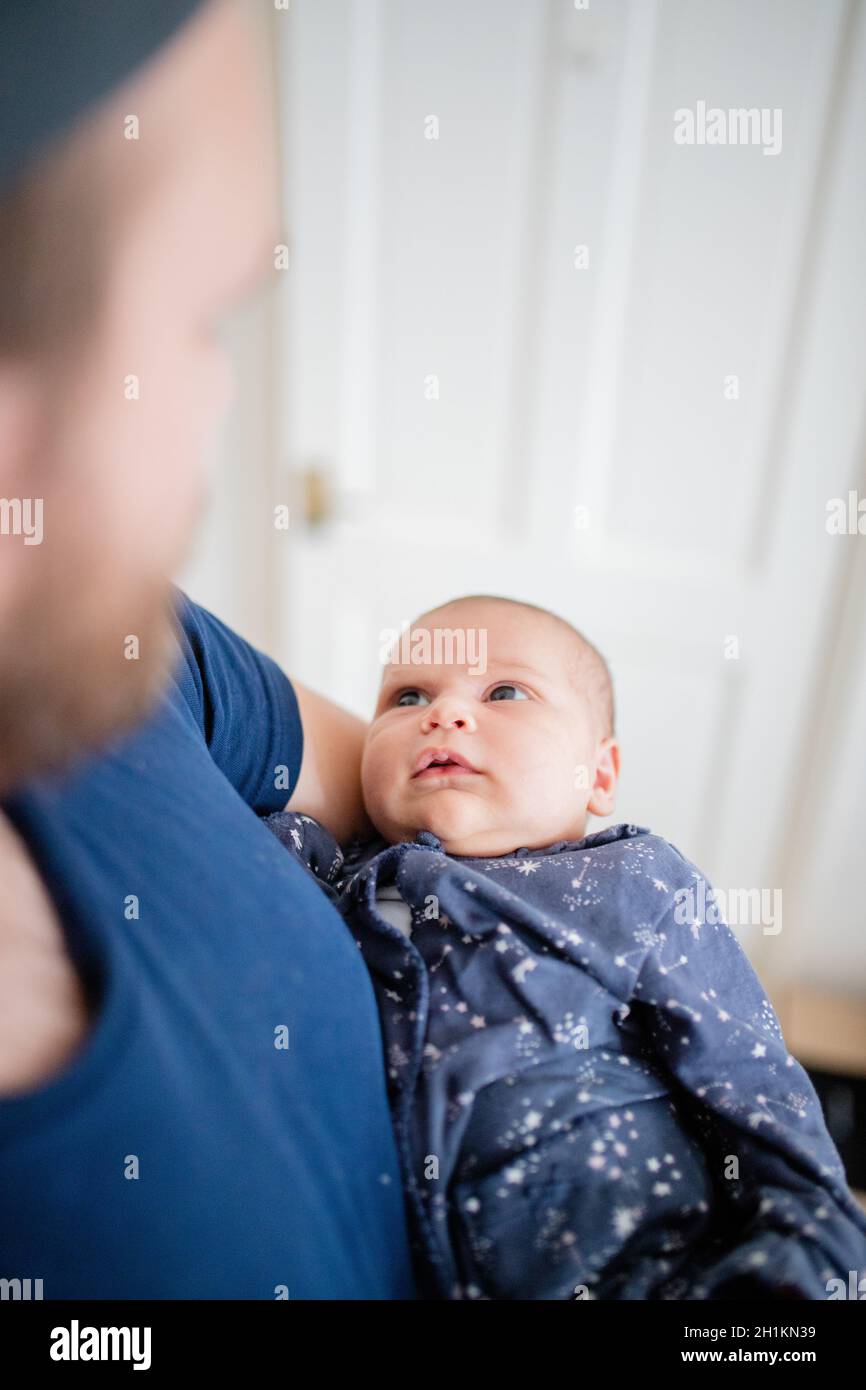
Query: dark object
x=58, y=59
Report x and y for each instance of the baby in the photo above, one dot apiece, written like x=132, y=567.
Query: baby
x=591, y=1094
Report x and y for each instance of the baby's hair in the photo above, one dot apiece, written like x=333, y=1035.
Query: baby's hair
x=592, y=673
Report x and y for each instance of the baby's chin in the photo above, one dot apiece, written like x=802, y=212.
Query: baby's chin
x=463, y=828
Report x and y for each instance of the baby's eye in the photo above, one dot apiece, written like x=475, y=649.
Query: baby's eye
x=406, y=697
x=508, y=692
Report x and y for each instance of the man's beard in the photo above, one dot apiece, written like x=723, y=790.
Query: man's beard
x=67, y=683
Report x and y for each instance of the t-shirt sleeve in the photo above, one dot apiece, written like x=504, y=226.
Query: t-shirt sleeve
x=792, y=1221
x=244, y=705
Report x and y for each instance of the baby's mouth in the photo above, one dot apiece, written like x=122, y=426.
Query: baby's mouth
x=442, y=762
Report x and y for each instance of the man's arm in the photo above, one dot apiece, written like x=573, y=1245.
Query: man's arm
x=329, y=785
x=257, y=722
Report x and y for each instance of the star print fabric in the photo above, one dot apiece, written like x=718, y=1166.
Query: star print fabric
x=591, y=1097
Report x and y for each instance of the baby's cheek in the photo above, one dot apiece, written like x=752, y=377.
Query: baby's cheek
x=550, y=781
x=567, y=763
x=369, y=789
x=370, y=786
x=378, y=805
x=379, y=784
x=544, y=763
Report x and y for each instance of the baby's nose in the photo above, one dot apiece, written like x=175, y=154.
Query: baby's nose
x=448, y=714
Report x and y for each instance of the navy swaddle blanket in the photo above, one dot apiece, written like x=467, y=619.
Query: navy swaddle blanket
x=591, y=1095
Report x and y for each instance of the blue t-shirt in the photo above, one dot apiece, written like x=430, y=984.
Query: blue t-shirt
x=183, y=1153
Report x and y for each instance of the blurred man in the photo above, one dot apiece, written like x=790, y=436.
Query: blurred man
x=192, y=1094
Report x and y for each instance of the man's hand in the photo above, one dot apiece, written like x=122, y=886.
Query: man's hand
x=329, y=787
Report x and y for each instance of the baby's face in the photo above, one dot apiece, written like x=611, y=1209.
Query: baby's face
x=529, y=759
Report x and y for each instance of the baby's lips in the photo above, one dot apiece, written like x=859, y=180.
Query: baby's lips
x=442, y=757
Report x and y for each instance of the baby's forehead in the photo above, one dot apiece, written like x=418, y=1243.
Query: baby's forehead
x=506, y=624
x=495, y=637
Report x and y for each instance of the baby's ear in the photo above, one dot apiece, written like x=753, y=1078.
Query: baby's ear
x=603, y=796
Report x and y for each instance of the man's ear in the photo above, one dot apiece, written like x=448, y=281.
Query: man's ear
x=603, y=797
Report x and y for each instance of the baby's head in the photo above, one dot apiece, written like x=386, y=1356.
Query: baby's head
x=530, y=735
